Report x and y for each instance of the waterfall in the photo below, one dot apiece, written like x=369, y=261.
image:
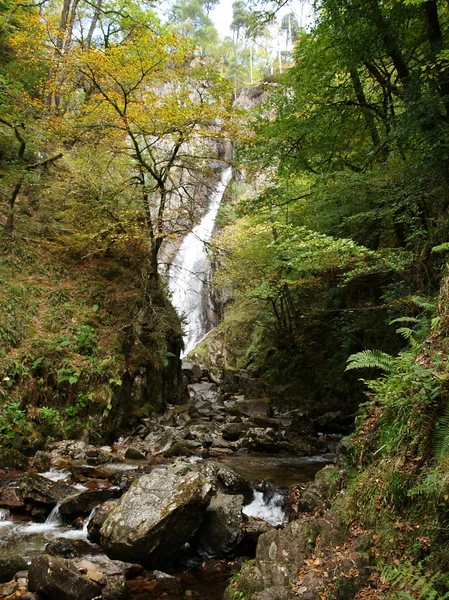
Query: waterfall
x=190, y=268
x=269, y=507
x=89, y=519
x=54, y=519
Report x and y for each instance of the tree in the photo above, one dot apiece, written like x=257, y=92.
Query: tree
x=161, y=111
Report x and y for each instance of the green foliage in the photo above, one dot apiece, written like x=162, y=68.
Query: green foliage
x=371, y=359
x=12, y=421
x=410, y=581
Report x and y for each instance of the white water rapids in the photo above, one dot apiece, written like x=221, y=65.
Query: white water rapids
x=269, y=509
x=190, y=268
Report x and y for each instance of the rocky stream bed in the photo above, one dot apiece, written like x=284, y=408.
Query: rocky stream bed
x=172, y=510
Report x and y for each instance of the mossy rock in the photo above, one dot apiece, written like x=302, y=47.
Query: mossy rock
x=10, y=564
x=13, y=459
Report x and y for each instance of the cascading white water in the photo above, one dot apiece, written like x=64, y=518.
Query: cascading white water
x=190, y=267
x=270, y=509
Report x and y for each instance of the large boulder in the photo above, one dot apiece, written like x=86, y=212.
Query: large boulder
x=221, y=531
x=57, y=579
x=156, y=517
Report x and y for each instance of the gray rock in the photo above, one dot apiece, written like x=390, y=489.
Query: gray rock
x=134, y=454
x=259, y=406
x=156, y=516
x=57, y=579
x=221, y=531
x=160, y=441
x=199, y=388
x=42, y=461
x=191, y=371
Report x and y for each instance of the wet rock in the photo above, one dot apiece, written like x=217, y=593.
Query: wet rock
x=156, y=516
x=12, y=498
x=334, y=422
x=199, y=388
x=37, y=489
x=66, y=548
x=254, y=528
x=134, y=454
x=10, y=564
x=84, y=502
x=13, y=460
x=221, y=531
x=42, y=461
x=264, y=421
x=96, y=523
x=115, y=567
x=170, y=584
x=115, y=588
x=57, y=579
x=124, y=479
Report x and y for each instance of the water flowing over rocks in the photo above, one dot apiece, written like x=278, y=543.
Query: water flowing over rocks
x=156, y=516
x=140, y=502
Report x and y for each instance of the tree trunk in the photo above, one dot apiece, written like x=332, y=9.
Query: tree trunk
x=9, y=225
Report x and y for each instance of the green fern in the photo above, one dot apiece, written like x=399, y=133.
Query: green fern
x=411, y=581
x=372, y=359
x=441, y=444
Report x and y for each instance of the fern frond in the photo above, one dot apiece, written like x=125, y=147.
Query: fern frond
x=424, y=303
x=369, y=359
x=441, y=444
x=404, y=320
x=406, y=332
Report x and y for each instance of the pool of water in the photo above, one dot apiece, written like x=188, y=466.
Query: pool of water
x=279, y=470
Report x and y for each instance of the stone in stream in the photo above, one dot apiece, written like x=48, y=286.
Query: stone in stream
x=83, y=502
x=156, y=516
x=66, y=548
x=10, y=564
x=39, y=490
x=57, y=579
x=42, y=461
x=221, y=531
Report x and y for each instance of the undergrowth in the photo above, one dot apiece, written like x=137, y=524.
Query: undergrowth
x=399, y=459
x=64, y=329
